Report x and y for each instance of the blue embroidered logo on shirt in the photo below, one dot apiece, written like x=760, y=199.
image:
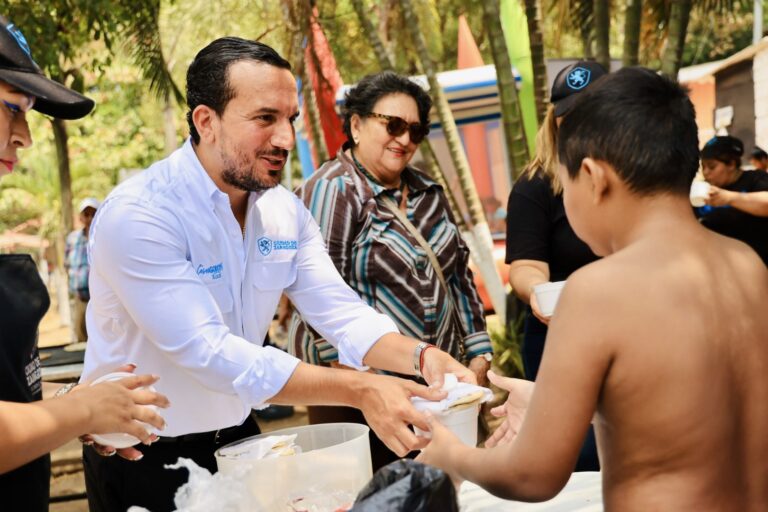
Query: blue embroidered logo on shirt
x=266, y=245
x=214, y=270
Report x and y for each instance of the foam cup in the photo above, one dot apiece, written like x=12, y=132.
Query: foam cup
x=699, y=193
x=547, y=295
x=119, y=439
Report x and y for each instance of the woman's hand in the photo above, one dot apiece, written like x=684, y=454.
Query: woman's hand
x=720, y=197
x=479, y=366
x=121, y=406
x=537, y=311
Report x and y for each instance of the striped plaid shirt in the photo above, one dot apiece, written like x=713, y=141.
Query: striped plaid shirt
x=76, y=261
x=386, y=266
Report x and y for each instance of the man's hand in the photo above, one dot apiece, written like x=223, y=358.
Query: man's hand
x=386, y=404
x=479, y=366
x=513, y=410
x=437, y=363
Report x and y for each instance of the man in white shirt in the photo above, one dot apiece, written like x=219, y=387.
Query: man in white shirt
x=188, y=262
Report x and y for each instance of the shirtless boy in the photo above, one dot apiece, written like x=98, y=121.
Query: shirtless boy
x=663, y=343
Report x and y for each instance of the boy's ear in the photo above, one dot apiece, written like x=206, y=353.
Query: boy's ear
x=597, y=174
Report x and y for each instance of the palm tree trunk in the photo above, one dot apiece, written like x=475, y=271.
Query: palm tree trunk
x=65, y=180
x=602, y=31
x=540, y=89
x=512, y=117
x=679, y=15
x=169, y=127
x=482, y=234
x=632, y=19
x=385, y=62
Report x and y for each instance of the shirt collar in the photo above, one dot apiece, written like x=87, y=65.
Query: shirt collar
x=197, y=175
x=416, y=180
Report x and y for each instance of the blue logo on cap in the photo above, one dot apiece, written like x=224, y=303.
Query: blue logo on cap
x=578, y=78
x=19, y=37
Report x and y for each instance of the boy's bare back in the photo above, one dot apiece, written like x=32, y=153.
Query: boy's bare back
x=683, y=410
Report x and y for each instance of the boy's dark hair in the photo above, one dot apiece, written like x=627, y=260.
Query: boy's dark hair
x=208, y=77
x=639, y=122
x=363, y=96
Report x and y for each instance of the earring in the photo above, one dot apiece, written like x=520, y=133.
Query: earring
x=356, y=140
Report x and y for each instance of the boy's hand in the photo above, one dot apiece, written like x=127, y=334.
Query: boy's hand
x=442, y=449
x=513, y=410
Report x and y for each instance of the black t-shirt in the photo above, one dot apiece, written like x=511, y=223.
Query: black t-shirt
x=537, y=229
x=729, y=221
x=23, y=302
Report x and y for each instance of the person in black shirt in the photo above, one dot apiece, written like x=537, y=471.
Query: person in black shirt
x=724, y=213
x=541, y=245
x=29, y=426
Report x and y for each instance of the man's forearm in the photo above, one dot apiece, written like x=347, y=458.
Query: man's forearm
x=392, y=352
x=315, y=385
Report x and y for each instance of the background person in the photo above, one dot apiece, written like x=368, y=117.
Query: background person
x=721, y=166
x=353, y=199
x=76, y=263
x=189, y=259
x=759, y=159
x=29, y=426
x=541, y=244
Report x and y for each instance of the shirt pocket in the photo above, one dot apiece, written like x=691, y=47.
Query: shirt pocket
x=274, y=275
x=222, y=295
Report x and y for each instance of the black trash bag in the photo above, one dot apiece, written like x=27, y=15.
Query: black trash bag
x=408, y=486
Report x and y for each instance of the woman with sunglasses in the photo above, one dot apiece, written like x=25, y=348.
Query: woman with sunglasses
x=370, y=205
x=29, y=426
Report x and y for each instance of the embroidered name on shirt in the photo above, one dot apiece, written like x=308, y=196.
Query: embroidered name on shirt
x=214, y=270
x=267, y=245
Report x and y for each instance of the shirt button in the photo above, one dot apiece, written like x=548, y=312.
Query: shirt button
x=421, y=264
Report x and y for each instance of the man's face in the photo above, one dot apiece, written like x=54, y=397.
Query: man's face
x=86, y=216
x=760, y=164
x=255, y=132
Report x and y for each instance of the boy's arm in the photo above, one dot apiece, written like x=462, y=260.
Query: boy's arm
x=577, y=356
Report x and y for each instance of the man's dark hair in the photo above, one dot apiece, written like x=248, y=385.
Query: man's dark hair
x=208, y=77
x=363, y=96
x=759, y=154
x=639, y=122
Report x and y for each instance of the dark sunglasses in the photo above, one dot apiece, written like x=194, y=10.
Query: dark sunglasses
x=396, y=126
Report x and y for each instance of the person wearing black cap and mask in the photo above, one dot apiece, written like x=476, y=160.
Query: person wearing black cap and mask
x=29, y=427
x=723, y=213
x=541, y=245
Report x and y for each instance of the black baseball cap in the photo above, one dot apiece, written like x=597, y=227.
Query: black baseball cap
x=722, y=146
x=18, y=69
x=572, y=79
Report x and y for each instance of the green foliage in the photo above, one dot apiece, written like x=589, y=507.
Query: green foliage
x=507, y=345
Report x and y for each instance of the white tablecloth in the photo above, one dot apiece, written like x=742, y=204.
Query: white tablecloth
x=582, y=493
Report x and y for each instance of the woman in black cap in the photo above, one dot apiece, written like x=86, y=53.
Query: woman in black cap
x=728, y=210
x=541, y=245
x=31, y=427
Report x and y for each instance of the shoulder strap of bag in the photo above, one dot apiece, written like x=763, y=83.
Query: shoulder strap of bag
x=392, y=206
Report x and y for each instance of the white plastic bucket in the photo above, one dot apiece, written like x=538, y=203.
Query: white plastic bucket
x=336, y=457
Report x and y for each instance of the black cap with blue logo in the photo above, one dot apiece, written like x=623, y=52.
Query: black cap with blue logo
x=18, y=69
x=722, y=146
x=572, y=79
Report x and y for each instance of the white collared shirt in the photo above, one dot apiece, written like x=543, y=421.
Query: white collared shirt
x=177, y=291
